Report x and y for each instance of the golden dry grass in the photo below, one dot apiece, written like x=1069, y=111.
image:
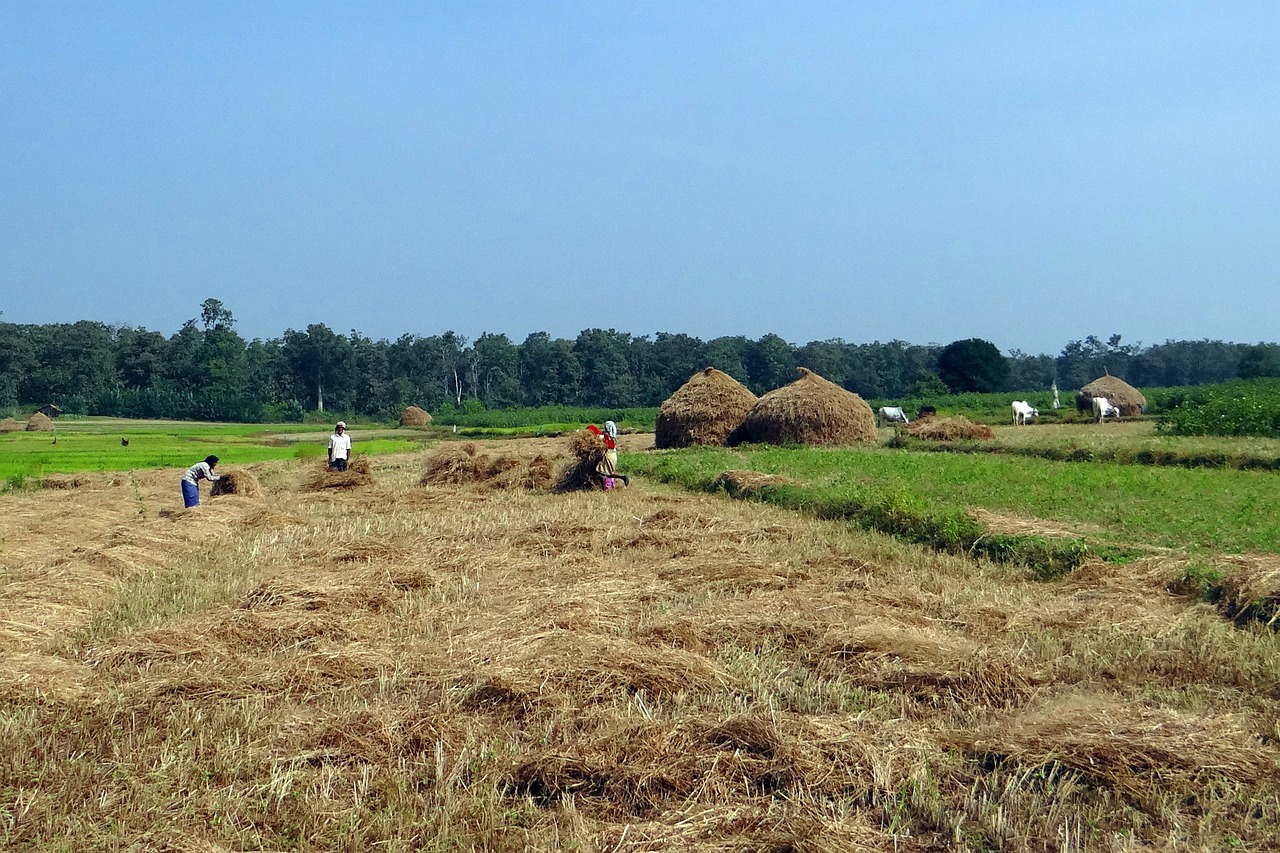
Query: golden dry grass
x=415, y=666
x=949, y=429
x=358, y=473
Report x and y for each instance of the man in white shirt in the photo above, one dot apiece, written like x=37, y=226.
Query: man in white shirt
x=339, y=447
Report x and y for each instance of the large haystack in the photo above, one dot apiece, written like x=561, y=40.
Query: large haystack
x=40, y=422
x=704, y=410
x=358, y=473
x=235, y=482
x=810, y=410
x=10, y=425
x=949, y=429
x=1123, y=396
x=414, y=417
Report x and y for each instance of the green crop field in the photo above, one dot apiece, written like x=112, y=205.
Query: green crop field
x=1218, y=510
x=95, y=444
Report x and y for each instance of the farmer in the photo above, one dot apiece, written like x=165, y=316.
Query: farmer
x=196, y=473
x=608, y=465
x=339, y=447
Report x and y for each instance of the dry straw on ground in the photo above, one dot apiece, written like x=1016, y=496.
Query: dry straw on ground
x=810, y=410
x=10, y=425
x=236, y=481
x=414, y=417
x=358, y=473
x=704, y=410
x=40, y=422
x=949, y=429
x=739, y=483
x=1123, y=396
x=464, y=464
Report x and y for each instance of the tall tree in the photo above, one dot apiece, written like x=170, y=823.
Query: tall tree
x=494, y=364
x=319, y=359
x=973, y=365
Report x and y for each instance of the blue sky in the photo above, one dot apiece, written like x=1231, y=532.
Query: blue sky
x=1029, y=173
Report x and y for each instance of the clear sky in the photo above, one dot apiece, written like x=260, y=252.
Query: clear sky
x=1029, y=173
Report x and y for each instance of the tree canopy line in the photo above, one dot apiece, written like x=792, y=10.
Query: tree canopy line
x=206, y=370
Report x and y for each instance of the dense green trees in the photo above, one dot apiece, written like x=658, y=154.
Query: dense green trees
x=207, y=370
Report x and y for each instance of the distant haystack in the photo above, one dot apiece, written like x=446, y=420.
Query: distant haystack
x=1123, y=396
x=949, y=429
x=810, y=410
x=40, y=422
x=10, y=425
x=414, y=417
x=704, y=410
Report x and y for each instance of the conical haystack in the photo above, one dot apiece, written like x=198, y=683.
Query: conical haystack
x=810, y=410
x=414, y=417
x=1123, y=396
x=10, y=425
x=704, y=410
x=40, y=422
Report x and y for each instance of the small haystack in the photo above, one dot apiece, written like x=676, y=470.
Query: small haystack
x=746, y=483
x=588, y=450
x=459, y=465
x=704, y=410
x=237, y=481
x=40, y=422
x=957, y=428
x=1123, y=396
x=358, y=473
x=10, y=425
x=810, y=410
x=414, y=417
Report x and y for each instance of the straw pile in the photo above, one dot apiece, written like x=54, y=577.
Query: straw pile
x=459, y=465
x=358, y=473
x=10, y=425
x=810, y=410
x=414, y=417
x=588, y=451
x=704, y=410
x=236, y=482
x=40, y=422
x=949, y=429
x=742, y=483
x=1123, y=396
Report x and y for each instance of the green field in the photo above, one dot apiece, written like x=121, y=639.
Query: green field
x=1122, y=506
x=95, y=444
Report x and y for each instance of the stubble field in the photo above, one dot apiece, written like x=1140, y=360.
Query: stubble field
x=409, y=667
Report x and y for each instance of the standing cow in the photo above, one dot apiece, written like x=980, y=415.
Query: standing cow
x=892, y=415
x=1102, y=409
x=1023, y=412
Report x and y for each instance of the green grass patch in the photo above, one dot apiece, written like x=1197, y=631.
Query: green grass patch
x=923, y=496
x=95, y=445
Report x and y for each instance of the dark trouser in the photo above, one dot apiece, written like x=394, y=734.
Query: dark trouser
x=338, y=464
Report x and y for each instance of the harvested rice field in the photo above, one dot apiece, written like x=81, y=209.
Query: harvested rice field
x=420, y=662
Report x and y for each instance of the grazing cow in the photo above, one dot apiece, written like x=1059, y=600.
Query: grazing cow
x=1023, y=412
x=926, y=412
x=1102, y=409
x=892, y=414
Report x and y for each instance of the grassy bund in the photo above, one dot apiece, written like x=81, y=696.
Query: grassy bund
x=875, y=649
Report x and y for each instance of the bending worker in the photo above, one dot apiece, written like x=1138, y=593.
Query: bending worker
x=196, y=473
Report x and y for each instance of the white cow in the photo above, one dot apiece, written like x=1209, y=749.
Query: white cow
x=1023, y=412
x=1102, y=409
x=892, y=414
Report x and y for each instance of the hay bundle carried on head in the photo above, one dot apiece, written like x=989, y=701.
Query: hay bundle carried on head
x=704, y=410
x=1123, y=396
x=949, y=429
x=10, y=425
x=358, y=473
x=588, y=451
x=414, y=417
x=237, y=481
x=810, y=410
x=40, y=422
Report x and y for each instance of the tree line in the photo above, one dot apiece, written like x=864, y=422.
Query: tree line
x=207, y=370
